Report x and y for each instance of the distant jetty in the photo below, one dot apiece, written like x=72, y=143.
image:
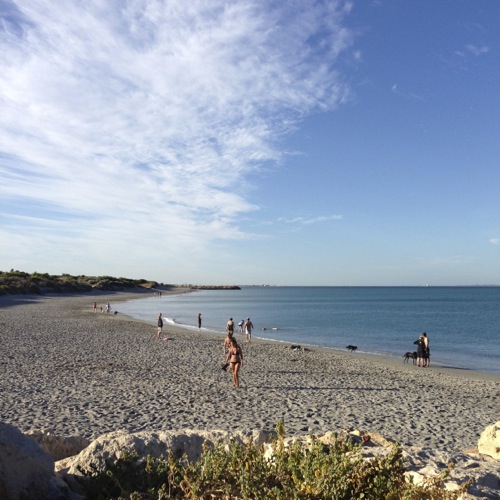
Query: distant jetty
x=211, y=287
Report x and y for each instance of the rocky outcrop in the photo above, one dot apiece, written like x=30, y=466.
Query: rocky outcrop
x=56, y=446
x=26, y=471
x=212, y=287
x=489, y=441
x=110, y=447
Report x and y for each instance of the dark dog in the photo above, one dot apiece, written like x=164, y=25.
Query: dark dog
x=352, y=348
x=410, y=355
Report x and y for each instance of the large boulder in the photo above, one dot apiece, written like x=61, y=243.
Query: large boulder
x=489, y=441
x=26, y=471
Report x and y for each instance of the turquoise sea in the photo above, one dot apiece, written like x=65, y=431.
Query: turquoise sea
x=462, y=323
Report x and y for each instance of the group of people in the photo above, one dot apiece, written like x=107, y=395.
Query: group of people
x=423, y=351
x=243, y=326
x=106, y=309
x=232, y=350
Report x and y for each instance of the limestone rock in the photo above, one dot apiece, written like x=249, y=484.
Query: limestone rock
x=26, y=471
x=58, y=447
x=489, y=441
x=463, y=468
x=110, y=447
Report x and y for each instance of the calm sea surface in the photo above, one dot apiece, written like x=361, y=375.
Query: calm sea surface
x=463, y=323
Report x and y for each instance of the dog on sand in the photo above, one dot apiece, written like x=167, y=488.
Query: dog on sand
x=408, y=356
x=351, y=348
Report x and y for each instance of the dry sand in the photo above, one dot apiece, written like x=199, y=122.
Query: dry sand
x=67, y=370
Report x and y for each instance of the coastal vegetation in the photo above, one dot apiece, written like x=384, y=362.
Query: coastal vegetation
x=15, y=282
x=19, y=282
x=233, y=470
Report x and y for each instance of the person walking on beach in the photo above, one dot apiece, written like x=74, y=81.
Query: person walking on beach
x=160, y=326
x=235, y=360
x=199, y=321
x=240, y=326
x=225, y=347
x=427, y=352
x=227, y=342
x=248, y=330
x=95, y=307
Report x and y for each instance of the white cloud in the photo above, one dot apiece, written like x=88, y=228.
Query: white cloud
x=495, y=241
x=126, y=122
x=142, y=113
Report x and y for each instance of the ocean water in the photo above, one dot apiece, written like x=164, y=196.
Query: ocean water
x=462, y=323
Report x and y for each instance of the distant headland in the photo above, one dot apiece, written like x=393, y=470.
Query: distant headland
x=18, y=282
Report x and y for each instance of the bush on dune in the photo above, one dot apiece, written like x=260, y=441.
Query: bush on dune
x=232, y=470
x=18, y=282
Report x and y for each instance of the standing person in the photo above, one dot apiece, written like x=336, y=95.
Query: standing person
x=427, y=352
x=235, y=360
x=225, y=347
x=108, y=308
x=227, y=342
x=230, y=326
x=160, y=326
x=240, y=326
x=199, y=321
x=248, y=329
x=420, y=350
x=95, y=307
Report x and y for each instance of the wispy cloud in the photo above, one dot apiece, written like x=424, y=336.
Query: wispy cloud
x=395, y=89
x=495, y=241
x=314, y=220
x=477, y=51
x=142, y=117
x=472, y=49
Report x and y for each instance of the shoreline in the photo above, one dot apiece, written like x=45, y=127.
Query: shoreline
x=448, y=352
x=373, y=356
x=73, y=372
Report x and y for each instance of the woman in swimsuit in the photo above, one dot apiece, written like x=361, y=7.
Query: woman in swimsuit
x=235, y=359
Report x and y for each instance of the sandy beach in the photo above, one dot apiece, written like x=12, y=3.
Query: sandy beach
x=70, y=371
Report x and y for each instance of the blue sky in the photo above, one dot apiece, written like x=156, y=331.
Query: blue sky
x=250, y=142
